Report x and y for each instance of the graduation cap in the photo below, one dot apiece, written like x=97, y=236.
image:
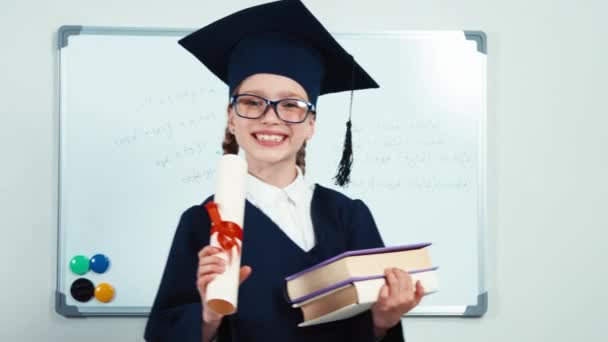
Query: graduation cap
x=283, y=38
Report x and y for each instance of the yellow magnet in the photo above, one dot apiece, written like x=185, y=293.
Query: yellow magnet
x=104, y=292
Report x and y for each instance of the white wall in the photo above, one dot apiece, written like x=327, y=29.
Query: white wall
x=548, y=164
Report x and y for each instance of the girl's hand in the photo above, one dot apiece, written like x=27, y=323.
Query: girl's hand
x=209, y=266
x=398, y=296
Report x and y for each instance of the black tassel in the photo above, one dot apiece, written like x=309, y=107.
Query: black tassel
x=343, y=177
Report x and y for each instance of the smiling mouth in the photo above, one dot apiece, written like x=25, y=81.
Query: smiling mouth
x=269, y=137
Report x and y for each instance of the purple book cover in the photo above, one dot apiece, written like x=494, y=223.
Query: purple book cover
x=360, y=252
x=349, y=281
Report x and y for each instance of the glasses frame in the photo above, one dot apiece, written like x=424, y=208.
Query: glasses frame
x=269, y=103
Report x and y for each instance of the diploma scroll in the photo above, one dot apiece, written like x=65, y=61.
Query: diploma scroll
x=227, y=212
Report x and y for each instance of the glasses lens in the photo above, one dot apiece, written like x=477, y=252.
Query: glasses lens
x=292, y=110
x=250, y=106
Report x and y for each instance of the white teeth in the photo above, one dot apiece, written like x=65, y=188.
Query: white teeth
x=268, y=137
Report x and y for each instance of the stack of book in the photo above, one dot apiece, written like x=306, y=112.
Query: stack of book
x=349, y=283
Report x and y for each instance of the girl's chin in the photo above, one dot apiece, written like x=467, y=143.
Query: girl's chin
x=269, y=156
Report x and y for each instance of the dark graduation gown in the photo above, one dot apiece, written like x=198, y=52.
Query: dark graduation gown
x=340, y=224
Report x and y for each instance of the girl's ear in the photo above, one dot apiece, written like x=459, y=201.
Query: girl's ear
x=231, y=123
x=311, y=127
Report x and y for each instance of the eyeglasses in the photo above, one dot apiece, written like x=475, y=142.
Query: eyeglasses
x=289, y=110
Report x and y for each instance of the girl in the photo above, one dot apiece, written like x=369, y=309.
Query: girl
x=276, y=59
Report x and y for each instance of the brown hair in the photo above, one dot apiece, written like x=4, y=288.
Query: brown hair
x=230, y=146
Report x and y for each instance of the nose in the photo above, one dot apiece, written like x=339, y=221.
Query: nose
x=270, y=115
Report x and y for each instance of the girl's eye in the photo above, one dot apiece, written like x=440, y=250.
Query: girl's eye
x=251, y=102
x=292, y=104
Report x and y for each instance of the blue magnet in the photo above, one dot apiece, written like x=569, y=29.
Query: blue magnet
x=99, y=263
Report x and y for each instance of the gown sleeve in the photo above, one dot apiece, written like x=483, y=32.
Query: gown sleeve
x=363, y=234
x=176, y=312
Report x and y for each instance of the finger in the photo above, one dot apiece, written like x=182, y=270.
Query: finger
x=210, y=269
x=208, y=250
x=244, y=273
x=398, y=295
x=211, y=260
x=405, y=281
x=419, y=292
x=383, y=295
x=202, y=282
x=393, y=285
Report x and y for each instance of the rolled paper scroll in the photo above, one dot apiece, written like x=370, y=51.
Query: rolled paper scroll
x=227, y=211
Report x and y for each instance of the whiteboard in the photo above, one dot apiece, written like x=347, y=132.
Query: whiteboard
x=141, y=125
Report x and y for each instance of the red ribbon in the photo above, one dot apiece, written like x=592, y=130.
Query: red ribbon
x=229, y=233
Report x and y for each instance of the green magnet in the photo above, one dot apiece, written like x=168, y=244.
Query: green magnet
x=79, y=264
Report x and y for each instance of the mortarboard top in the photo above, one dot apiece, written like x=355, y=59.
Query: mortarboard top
x=261, y=30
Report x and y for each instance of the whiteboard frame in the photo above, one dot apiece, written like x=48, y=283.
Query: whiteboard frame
x=477, y=309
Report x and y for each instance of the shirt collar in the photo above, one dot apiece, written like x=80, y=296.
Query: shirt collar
x=296, y=191
x=260, y=192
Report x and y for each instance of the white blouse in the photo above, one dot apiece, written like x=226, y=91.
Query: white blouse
x=289, y=207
